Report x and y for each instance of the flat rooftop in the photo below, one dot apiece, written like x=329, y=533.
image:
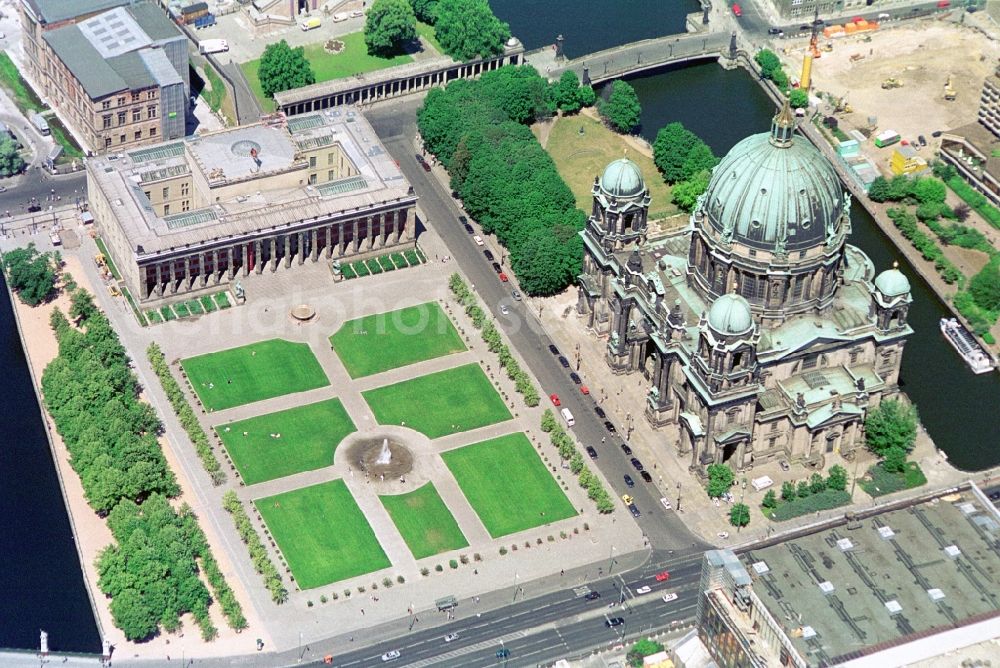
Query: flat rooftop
x=249, y=155
x=861, y=587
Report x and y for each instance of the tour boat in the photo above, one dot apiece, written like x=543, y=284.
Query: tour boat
x=967, y=346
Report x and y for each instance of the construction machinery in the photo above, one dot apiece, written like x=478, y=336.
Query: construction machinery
x=891, y=82
x=949, y=90
x=842, y=106
x=814, y=36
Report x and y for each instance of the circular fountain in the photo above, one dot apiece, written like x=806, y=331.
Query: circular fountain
x=381, y=457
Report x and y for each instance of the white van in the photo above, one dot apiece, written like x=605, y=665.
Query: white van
x=213, y=46
x=568, y=417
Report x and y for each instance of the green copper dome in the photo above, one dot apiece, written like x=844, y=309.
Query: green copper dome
x=892, y=283
x=622, y=178
x=730, y=314
x=775, y=192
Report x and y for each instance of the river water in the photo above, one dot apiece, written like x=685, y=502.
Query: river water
x=961, y=411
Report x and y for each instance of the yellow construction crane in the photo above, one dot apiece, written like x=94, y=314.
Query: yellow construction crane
x=949, y=90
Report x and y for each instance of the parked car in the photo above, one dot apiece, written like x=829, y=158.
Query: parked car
x=489, y=254
x=922, y=139
x=645, y=476
x=391, y=656
x=575, y=377
x=634, y=509
x=609, y=425
x=663, y=576
x=515, y=295
x=636, y=464
x=628, y=481
x=450, y=637
x=497, y=268
x=591, y=452
x=479, y=240
x=592, y=595
x=600, y=412
x=645, y=589
x=737, y=11
x=805, y=28
x=503, y=278
x=463, y=219
x=784, y=465
x=426, y=166
x=584, y=389
x=564, y=362
x=468, y=228
x=504, y=310
x=774, y=31
x=995, y=495
x=553, y=349
x=555, y=400
x=627, y=500
x=614, y=621
x=626, y=449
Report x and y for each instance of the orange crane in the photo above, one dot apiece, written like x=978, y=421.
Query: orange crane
x=814, y=37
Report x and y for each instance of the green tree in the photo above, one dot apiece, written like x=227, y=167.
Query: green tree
x=425, y=10
x=900, y=187
x=768, y=61
x=739, y=515
x=389, y=26
x=894, y=459
x=879, y=190
x=802, y=489
x=621, y=110
x=519, y=91
x=10, y=159
x=720, y=479
x=30, y=273
x=837, y=478
x=816, y=483
x=586, y=96
x=798, y=99
x=641, y=650
x=671, y=148
x=284, y=68
x=787, y=490
x=770, y=499
x=566, y=92
x=929, y=190
x=685, y=194
x=892, y=424
x=985, y=286
x=468, y=29
x=699, y=159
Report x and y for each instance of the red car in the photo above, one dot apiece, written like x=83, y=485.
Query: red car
x=503, y=277
x=663, y=576
x=737, y=11
x=555, y=400
x=585, y=389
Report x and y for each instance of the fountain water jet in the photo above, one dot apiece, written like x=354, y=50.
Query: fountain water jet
x=385, y=456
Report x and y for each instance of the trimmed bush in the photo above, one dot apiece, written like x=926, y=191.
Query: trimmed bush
x=825, y=500
x=258, y=553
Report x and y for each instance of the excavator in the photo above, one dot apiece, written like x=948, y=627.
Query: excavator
x=891, y=82
x=949, y=90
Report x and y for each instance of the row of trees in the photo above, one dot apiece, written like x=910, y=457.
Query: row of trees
x=494, y=341
x=258, y=553
x=478, y=130
x=685, y=161
x=564, y=443
x=465, y=29
x=770, y=68
x=185, y=414
x=152, y=571
x=569, y=96
x=907, y=224
x=32, y=274
x=11, y=162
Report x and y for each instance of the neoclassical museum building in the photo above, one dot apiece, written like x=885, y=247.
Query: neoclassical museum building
x=763, y=334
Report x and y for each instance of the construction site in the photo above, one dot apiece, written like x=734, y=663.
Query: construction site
x=899, y=76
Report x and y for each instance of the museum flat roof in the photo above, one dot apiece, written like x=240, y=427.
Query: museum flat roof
x=863, y=587
x=225, y=158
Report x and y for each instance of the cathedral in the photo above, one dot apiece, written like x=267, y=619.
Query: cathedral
x=763, y=334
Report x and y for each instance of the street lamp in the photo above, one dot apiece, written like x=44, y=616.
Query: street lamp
x=743, y=493
x=578, y=357
x=629, y=426
x=613, y=561
x=678, y=497
x=515, y=587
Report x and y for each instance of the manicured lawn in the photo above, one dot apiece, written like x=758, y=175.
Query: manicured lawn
x=441, y=403
x=107, y=258
x=427, y=32
x=322, y=533
x=250, y=373
x=309, y=435
x=384, y=341
x=425, y=522
x=354, y=59
x=579, y=158
x=508, y=485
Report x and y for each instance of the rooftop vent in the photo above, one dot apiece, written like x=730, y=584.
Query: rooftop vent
x=808, y=632
x=845, y=544
x=967, y=508
x=953, y=552
x=893, y=607
x=886, y=533
x=826, y=587
x=760, y=568
x=935, y=594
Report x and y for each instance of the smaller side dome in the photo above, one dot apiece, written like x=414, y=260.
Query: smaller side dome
x=622, y=178
x=892, y=283
x=730, y=314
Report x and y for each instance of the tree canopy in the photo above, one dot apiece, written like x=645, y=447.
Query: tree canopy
x=30, y=273
x=680, y=154
x=640, y=650
x=770, y=68
x=468, y=29
x=892, y=424
x=798, y=99
x=739, y=515
x=720, y=479
x=621, y=110
x=10, y=159
x=390, y=25
x=685, y=194
x=425, y=10
x=284, y=68
x=506, y=180
x=985, y=286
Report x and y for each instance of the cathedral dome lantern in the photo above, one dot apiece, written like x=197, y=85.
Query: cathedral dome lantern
x=890, y=299
x=892, y=283
x=622, y=179
x=730, y=315
x=621, y=205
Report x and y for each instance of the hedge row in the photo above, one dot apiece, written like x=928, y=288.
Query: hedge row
x=907, y=224
x=828, y=498
x=975, y=199
x=880, y=482
x=258, y=553
x=494, y=341
x=185, y=414
x=567, y=450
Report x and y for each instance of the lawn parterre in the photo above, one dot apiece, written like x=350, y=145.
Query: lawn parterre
x=287, y=442
x=442, y=403
x=322, y=533
x=424, y=522
x=384, y=341
x=508, y=485
x=251, y=373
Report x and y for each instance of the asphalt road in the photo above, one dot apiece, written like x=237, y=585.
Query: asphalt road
x=756, y=22
x=557, y=625
x=395, y=125
x=40, y=185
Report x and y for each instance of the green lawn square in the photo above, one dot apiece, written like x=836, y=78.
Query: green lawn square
x=377, y=343
x=441, y=403
x=508, y=485
x=304, y=439
x=424, y=522
x=251, y=373
x=322, y=533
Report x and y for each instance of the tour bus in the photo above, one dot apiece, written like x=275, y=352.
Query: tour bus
x=568, y=417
